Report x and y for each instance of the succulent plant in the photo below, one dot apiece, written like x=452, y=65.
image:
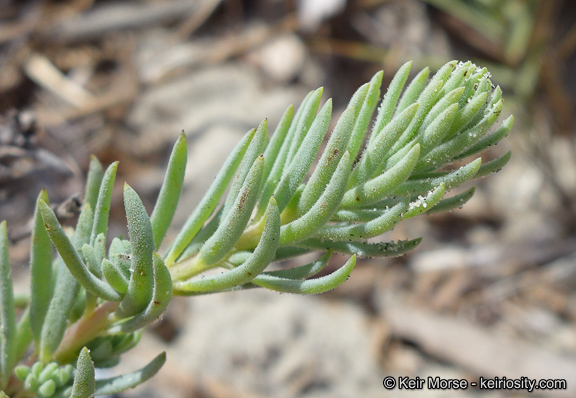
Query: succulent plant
x=88, y=306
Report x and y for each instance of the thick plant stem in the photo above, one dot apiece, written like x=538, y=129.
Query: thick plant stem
x=83, y=331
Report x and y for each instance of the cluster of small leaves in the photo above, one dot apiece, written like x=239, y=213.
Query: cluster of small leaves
x=407, y=164
x=87, y=307
x=44, y=379
x=90, y=297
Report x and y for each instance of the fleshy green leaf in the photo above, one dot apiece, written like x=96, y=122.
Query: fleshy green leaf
x=452, y=203
x=290, y=251
x=119, y=255
x=95, y=174
x=142, y=246
x=484, y=85
x=24, y=335
x=386, y=109
x=322, y=210
x=279, y=162
x=84, y=380
x=365, y=114
x=413, y=90
x=115, y=276
x=491, y=139
x=7, y=312
x=471, y=85
x=161, y=296
x=309, y=286
x=47, y=388
x=451, y=180
x=101, y=350
x=102, y=208
x=422, y=204
x=278, y=138
x=125, y=342
x=66, y=291
x=457, y=77
x=170, y=192
x=47, y=372
x=95, y=254
x=438, y=128
x=449, y=150
x=118, y=384
x=119, y=246
x=254, y=265
x=384, y=249
x=255, y=149
x=447, y=101
x=233, y=225
x=427, y=100
x=202, y=236
x=468, y=112
x=303, y=158
x=332, y=155
x=374, y=155
x=442, y=74
x=493, y=165
x=303, y=271
x=209, y=201
x=366, y=230
x=376, y=189
x=72, y=259
x=356, y=215
x=301, y=126
x=41, y=280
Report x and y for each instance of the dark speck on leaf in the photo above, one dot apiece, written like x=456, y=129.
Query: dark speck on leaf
x=243, y=199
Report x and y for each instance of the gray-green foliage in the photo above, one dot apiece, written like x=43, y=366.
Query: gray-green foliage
x=418, y=148
x=88, y=305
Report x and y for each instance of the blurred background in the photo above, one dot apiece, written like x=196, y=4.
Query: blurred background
x=491, y=291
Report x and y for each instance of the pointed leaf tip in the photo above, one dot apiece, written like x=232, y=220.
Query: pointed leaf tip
x=84, y=380
x=124, y=382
